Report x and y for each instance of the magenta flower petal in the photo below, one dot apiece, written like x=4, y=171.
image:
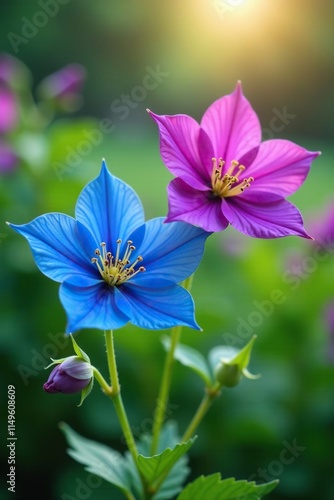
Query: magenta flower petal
x=190, y=205
x=179, y=136
x=232, y=126
x=280, y=167
x=268, y=220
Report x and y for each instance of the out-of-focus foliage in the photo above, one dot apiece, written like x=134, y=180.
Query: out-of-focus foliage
x=278, y=427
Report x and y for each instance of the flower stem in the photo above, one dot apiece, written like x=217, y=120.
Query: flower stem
x=107, y=389
x=210, y=394
x=160, y=412
x=115, y=395
x=159, y=415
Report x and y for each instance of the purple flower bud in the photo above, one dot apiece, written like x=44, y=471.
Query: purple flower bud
x=8, y=110
x=72, y=375
x=63, y=84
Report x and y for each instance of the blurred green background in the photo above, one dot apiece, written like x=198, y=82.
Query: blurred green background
x=282, y=51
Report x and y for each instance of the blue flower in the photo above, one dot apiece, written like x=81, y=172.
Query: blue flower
x=113, y=267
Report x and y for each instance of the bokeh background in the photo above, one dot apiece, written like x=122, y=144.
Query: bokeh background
x=282, y=51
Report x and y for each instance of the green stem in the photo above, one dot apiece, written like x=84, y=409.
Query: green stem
x=160, y=412
x=210, y=394
x=107, y=389
x=115, y=395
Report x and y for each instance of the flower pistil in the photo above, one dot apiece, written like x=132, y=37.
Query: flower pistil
x=114, y=270
x=223, y=184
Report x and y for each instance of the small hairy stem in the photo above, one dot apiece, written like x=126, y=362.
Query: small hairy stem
x=209, y=396
x=115, y=395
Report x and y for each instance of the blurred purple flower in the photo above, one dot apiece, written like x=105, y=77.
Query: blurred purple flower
x=64, y=85
x=322, y=226
x=225, y=175
x=8, y=158
x=72, y=375
x=8, y=110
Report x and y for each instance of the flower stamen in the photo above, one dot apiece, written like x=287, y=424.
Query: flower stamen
x=223, y=184
x=116, y=270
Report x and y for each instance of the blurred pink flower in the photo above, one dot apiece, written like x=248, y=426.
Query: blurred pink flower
x=8, y=158
x=8, y=110
x=322, y=226
x=64, y=85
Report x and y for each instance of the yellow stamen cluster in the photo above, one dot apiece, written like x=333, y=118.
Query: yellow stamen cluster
x=223, y=184
x=113, y=269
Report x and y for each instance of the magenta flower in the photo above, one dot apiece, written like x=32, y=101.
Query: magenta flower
x=225, y=175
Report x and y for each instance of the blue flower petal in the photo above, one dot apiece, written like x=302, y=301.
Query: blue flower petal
x=55, y=244
x=91, y=307
x=158, y=308
x=170, y=251
x=109, y=208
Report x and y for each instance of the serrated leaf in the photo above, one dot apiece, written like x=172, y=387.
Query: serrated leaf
x=188, y=356
x=225, y=489
x=172, y=485
x=98, y=459
x=153, y=467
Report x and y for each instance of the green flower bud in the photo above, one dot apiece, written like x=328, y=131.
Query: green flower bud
x=230, y=364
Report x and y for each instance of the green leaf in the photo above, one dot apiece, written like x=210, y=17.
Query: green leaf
x=172, y=485
x=188, y=356
x=99, y=459
x=152, y=467
x=225, y=489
